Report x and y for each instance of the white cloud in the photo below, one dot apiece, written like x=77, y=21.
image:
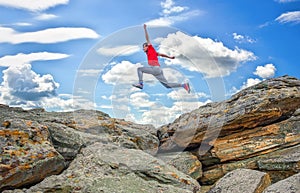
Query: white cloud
x=124, y=50
x=140, y=100
x=33, y=5
x=121, y=73
x=250, y=82
x=266, y=71
x=171, y=14
x=22, y=24
x=61, y=103
x=242, y=39
x=183, y=95
x=160, y=114
x=45, y=16
x=203, y=55
x=51, y=35
x=24, y=88
x=22, y=58
x=289, y=17
x=21, y=84
x=263, y=72
x=126, y=73
x=169, y=7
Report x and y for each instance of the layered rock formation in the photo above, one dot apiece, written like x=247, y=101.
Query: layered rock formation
x=251, y=139
x=258, y=128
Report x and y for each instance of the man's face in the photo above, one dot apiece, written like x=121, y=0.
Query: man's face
x=145, y=48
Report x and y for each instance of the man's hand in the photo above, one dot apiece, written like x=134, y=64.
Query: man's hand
x=145, y=26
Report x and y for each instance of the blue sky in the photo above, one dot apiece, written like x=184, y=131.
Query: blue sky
x=63, y=55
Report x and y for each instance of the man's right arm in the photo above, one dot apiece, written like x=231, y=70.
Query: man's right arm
x=146, y=34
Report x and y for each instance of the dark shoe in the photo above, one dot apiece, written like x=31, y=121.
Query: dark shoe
x=140, y=86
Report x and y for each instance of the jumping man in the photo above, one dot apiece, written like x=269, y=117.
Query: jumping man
x=154, y=67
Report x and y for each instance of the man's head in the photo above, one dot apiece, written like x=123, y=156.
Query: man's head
x=145, y=47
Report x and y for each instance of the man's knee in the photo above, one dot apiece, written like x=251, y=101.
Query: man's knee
x=166, y=85
x=140, y=69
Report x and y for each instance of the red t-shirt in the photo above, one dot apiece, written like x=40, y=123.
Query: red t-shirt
x=152, y=56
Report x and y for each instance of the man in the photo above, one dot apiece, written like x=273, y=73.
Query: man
x=154, y=67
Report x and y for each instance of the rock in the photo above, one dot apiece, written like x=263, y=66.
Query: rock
x=281, y=164
x=68, y=142
x=27, y=155
x=267, y=102
x=225, y=136
x=289, y=185
x=99, y=125
x=257, y=141
x=185, y=162
x=242, y=180
x=109, y=168
x=287, y=167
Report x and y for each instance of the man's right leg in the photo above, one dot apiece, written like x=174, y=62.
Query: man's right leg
x=140, y=71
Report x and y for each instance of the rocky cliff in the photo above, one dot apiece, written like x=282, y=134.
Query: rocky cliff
x=248, y=143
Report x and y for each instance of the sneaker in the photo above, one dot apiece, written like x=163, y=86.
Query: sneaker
x=186, y=86
x=140, y=86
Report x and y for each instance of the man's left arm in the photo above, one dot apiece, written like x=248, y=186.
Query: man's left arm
x=165, y=56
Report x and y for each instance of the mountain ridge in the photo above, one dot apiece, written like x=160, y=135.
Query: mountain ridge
x=254, y=134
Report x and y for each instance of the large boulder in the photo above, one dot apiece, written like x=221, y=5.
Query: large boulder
x=268, y=102
x=235, y=133
x=243, y=181
x=26, y=154
x=289, y=185
x=108, y=168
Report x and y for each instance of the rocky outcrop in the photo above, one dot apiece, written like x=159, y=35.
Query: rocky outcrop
x=242, y=180
x=109, y=168
x=244, y=131
x=251, y=139
x=36, y=144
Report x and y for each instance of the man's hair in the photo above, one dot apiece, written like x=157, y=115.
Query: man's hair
x=145, y=44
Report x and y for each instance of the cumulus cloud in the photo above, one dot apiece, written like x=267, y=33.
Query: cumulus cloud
x=21, y=84
x=51, y=35
x=263, y=72
x=171, y=14
x=203, y=55
x=124, y=50
x=140, y=100
x=160, y=114
x=33, y=5
x=22, y=58
x=289, y=17
x=266, y=71
x=250, y=82
x=23, y=87
x=122, y=73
